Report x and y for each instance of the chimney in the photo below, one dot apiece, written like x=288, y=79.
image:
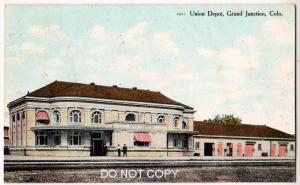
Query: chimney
x=115, y=86
x=92, y=83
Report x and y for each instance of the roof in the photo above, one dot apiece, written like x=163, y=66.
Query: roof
x=61, y=89
x=245, y=130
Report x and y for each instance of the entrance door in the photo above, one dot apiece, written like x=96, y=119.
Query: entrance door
x=97, y=144
x=239, y=149
x=208, y=149
x=229, y=149
x=273, y=150
x=220, y=149
x=282, y=149
x=249, y=150
x=97, y=147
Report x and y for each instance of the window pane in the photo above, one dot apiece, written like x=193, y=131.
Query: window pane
x=144, y=144
x=42, y=140
x=96, y=119
x=46, y=140
x=75, y=118
x=75, y=140
x=130, y=117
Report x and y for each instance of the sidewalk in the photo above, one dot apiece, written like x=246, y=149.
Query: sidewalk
x=105, y=158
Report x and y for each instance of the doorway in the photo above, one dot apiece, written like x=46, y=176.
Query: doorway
x=282, y=150
x=229, y=149
x=249, y=148
x=97, y=142
x=273, y=154
x=208, y=149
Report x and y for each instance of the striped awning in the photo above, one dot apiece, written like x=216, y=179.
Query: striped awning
x=42, y=116
x=142, y=137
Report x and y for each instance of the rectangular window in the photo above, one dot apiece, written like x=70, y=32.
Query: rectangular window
x=143, y=144
x=259, y=147
x=18, y=116
x=197, y=145
x=180, y=141
x=13, y=118
x=292, y=147
x=42, y=139
x=23, y=115
x=75, y=138
x=56, y=138
x=184, y=141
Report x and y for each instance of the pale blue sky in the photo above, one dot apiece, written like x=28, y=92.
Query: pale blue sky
x=225, y=65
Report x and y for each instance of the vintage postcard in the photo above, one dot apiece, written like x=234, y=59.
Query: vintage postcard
x=149, y=93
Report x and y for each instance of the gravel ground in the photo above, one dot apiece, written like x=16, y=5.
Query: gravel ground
x=205, y=174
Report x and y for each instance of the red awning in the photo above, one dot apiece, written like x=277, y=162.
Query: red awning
x=142, y=137
x=42, y=116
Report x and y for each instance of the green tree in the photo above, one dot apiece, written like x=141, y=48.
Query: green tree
x=225, y=119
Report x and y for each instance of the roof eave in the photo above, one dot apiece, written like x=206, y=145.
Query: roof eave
x=17, y=101
x=244, y=137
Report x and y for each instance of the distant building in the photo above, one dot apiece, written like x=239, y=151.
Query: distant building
x=73, y=119
x=6, y=139
x=241, y=141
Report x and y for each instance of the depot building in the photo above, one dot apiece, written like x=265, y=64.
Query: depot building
x=73, y=119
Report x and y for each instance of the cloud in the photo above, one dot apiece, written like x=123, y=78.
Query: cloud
x=163, y=41
x=53, y=30
x=132, y=33
x=38, y=31
x=13, y=61
x=124, y=62
x=248, y=41
x=31, y=48
x=279, y=30
x=230, y=58
x=51, y=69
x=99, y=33
x=283, y=81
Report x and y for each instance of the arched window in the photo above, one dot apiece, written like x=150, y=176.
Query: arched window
x=42, y=117
x=130, y=117
x=56, y=116
x=96, y=117
x=75, y=116
x=184, y=125
x=176, y=122
x=161, y=119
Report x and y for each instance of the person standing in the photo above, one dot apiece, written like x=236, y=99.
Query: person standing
x=124, y=150
x=105, y=149
x=119, y=150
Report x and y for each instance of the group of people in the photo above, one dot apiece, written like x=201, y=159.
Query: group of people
x=124, y=149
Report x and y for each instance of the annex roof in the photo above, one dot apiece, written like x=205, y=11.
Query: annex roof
x=243, y=130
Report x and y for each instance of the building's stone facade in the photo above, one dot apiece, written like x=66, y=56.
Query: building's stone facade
x=113, y=127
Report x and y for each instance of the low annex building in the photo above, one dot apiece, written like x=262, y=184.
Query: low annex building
x=241, y=140
x=74, y=119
